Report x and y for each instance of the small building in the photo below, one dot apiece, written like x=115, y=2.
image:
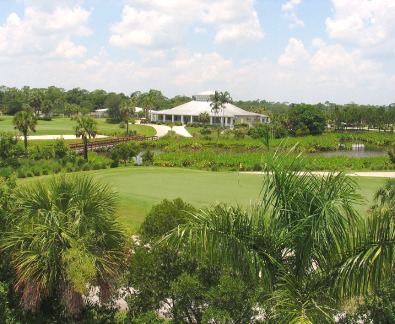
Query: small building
x=201, y=103
x=100, y=112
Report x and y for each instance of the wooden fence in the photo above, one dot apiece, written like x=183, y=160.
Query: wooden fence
x=98, y=145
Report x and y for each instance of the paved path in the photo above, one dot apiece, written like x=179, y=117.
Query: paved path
x=49, y=137
x=352, y=174
x=162, y=130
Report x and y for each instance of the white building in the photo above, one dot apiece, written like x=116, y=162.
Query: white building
x=201, y=103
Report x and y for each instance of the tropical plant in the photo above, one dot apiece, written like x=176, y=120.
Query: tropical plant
x=64, y=240
x=303, y=243
x=218, y=102
x=86, y=128
x=204, y=118
x=25, y=122
x=127, y=110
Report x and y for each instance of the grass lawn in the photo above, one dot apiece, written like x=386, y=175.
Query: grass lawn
x=64, y=126
x=141, y=187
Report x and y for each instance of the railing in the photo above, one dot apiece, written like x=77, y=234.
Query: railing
x=97, y=145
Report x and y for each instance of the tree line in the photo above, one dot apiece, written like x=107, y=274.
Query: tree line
x=54, y=100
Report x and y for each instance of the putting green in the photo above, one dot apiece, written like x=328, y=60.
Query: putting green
x=142, y=187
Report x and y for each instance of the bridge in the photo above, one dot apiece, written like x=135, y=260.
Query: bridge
x=98, y=145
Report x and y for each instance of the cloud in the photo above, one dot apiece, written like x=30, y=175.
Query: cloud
x=362, y=23
x=289, y=11
x=150, y=24
x=68, y=49
x=41, y=32
x=294, y=55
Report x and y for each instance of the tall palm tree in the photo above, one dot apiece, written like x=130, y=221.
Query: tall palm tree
x=303, y=242
x=25, y=122
x=86, y=128
x=218, y=103
x=127, y=110
x=64, y=240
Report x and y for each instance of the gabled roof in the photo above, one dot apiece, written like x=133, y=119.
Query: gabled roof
x=195, y=108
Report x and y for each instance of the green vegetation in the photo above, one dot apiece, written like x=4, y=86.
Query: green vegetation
x=303, y=245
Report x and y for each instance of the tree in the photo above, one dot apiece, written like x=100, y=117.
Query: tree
x=9, y=149
x=219, y=101
x=47, y=107
x=86, y=128
x=204, y=118
x=127, y=110
x=36, y=98
x=65, y=239
x=124, y=152
x=113, y=103
x=304, y=242
x=307, y=117
x=25, y=122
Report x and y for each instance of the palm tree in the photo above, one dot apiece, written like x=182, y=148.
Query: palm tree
x=127, y=110
x=25, y=122
x=303, y=242
x=219, y=101
x=385, y=195
x=65, y=239
x=86, y=128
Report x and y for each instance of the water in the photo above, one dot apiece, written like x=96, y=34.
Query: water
x=358, y=152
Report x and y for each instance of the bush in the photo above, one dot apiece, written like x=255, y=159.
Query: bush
x=40, y=152
x=148, y=157
x=123, y=152
x=165, y=216
x=61, y=149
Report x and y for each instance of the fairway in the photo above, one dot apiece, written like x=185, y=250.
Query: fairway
x=65, y=126
x=142, y=187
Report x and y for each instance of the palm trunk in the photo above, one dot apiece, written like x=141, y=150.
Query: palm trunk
x=86, y=149
x=25, y=141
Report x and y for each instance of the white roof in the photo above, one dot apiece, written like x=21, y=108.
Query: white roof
x=195, y=108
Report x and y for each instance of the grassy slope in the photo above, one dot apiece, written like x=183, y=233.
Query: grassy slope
x=64, y=126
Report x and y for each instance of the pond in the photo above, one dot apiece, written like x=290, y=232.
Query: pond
x=358, y=151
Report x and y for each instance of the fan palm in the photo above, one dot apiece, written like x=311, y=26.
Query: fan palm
x=86, y=128
x=65, y=239
x=25, y=122
x=303, y=242
x=127, y=110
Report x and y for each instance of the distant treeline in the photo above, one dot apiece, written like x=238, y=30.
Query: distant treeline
x=54, y=100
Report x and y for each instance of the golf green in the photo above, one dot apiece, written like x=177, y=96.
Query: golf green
x=141, y=187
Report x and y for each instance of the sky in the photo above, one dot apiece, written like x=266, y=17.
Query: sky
x=295, y=51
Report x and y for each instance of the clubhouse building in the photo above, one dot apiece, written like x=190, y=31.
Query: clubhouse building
x=190, y=111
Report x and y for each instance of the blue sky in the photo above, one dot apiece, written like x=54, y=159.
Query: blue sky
x=278, y=50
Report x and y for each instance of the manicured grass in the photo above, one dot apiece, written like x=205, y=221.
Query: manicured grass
x=142, y=187
x=65, y=126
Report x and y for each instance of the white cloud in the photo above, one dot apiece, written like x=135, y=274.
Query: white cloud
x=68, y=49
x=289, y=10
x=157, y=23
x=362, y=22
x=294, y=55
x=62, y=20
x=41, y=32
